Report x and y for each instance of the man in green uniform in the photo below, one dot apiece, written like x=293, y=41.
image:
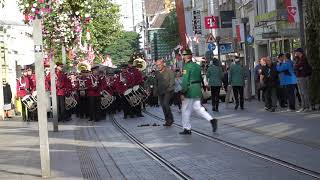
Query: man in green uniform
x=191, y=94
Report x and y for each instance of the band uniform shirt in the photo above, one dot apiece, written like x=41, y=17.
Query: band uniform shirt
x=23, y=86
x=192, y=79
x=165, y=81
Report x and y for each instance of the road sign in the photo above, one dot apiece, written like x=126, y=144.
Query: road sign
x=250, y=39
x=226, y=48
x=211, y=22
x=211, y=46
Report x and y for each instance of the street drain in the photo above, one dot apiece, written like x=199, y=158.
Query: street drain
x=87, y=165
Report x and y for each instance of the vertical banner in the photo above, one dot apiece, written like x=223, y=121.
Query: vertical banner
x=292, y=10
x=238, y=30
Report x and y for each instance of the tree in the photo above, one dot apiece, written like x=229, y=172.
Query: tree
x=170, y=33
x=122, y=48
x=313, y=44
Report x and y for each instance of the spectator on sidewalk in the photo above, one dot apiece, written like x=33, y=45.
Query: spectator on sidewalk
x=288, y=79
x=165, y=89
x=258, y=70
x=7, y=97
x=303, y=71
x=237, y=75
x=269, y=79
x=214, y=76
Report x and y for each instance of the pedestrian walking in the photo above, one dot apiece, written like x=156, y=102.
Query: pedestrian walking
x=303, y=71
x=270, y=81
x=215, y=76
x=288, y=79
x=191, y=94
x=165, y=88
x=236, y=78
x=7, y=96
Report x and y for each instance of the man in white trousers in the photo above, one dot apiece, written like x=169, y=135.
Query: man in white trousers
x=191, y=94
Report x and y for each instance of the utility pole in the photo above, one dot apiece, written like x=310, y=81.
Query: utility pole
x=181, y=22
x=41, y=99
x=133, y=25
x=301, y=24
x=215, y=11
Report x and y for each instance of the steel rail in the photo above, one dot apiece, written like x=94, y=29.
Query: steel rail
x=254, y=153
x=165, y=163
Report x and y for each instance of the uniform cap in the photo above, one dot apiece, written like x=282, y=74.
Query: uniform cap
x=96, y=66
x=59, y=63
x=187, y=52
x=299, y=50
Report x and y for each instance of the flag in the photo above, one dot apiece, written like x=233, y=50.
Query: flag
x=292, y=10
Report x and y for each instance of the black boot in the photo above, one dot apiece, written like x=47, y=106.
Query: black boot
x=185, y=132
x=214, y=124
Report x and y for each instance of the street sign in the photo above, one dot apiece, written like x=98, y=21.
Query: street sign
x=250, y=39
x=197, y=22
x=211, y=22
x=211, y=46
x=226, y=48
x=226, y=18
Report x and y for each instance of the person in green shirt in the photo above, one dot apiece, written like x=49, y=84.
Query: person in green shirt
x=236, y=79
x=215, y=75
x=191, y=94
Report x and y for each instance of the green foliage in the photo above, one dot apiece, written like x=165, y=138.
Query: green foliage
x=106, y=28
x=123, y=47
x=170, y=34
x=313, y=45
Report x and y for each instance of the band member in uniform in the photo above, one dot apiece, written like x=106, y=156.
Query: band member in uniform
x=137, y=79
x=48, y=88
x=23, y=86
x=117, y=92
x=191, y=94
x=61, y=85
x=83, y=100
x=33, y=88
x=123, y=83
x=107, y=85
x=94, y=93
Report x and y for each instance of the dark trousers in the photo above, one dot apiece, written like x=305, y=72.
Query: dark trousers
x=290, y=93
x=177, y=99
x=215, y=94
x=61, y=108
x=270, y=94
x=94, y=107
x=125, y=106
x=165, y=104
x=83, y=107
x=238, y=91
x=282, y=96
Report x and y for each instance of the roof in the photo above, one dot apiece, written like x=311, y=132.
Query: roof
x=153, y=6
x=159, y=20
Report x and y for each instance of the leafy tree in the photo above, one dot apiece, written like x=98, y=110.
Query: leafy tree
x=170, y=33
x=313, y=44
x=123, y=47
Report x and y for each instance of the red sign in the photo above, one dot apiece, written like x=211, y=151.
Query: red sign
x=211, y=22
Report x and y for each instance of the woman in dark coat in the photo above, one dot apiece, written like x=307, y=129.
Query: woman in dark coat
x=7, y=96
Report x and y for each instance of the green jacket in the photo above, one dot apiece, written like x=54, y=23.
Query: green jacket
x=237, y=75
x=191, y=80
x=214, y=75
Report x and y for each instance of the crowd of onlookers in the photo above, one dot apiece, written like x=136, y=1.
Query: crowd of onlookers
x=283, y=81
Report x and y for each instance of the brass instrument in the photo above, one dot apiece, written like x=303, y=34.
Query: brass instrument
x=83, y=66
x=140, y=64
x=106, y=99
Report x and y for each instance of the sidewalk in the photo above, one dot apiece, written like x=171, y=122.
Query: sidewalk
x=20, y=156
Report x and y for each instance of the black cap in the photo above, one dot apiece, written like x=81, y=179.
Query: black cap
x=299, y=50
x=124, y=65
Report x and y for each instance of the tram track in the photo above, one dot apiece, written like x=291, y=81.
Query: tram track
x=310, y=144
x=152, y=154
x=243, y=149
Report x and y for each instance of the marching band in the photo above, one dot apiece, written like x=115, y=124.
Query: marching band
x=88, y=94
